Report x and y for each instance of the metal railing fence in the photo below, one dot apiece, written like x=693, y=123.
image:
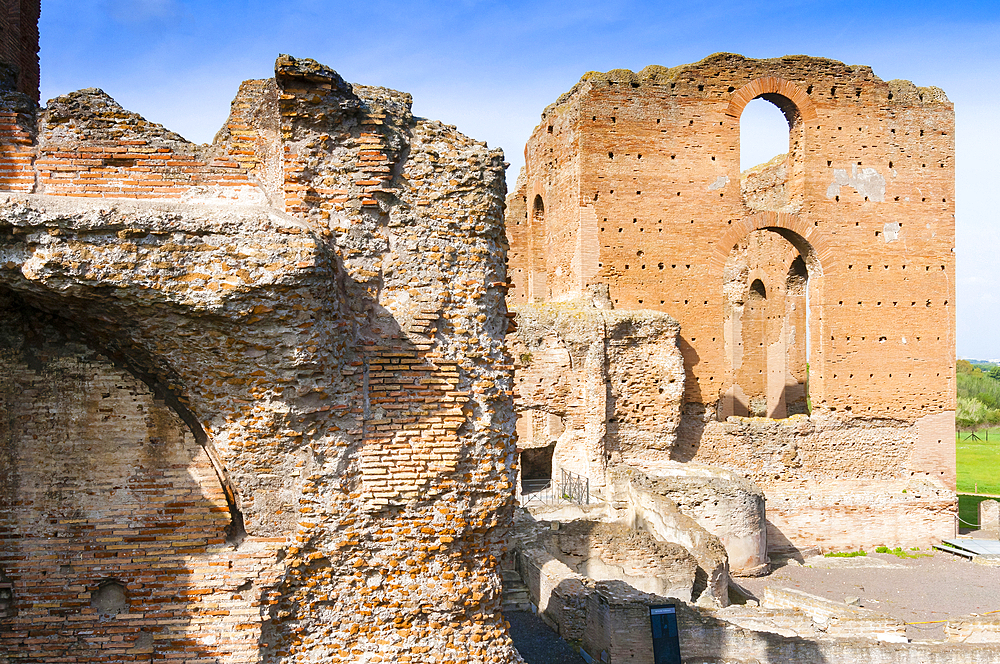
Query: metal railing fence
x=570, y=488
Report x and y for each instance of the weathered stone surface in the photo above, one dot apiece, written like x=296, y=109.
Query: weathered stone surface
x=312, y=311
x=603, y=385
x=676, y=502
x=615, y=552
x=989, y=517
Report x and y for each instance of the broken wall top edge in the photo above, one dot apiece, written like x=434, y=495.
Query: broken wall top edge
x=904, y=91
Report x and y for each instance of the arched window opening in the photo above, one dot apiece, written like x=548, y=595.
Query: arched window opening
x=757, y=290
x=770, y=154
x=796, y=338
x=797, y=277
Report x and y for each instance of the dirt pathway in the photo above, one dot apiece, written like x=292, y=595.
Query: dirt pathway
x=937, y=587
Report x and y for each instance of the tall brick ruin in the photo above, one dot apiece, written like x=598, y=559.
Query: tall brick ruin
x=255, y=403
x=19, y=46
x=632, y=185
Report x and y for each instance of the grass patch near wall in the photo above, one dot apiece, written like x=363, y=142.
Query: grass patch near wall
x=900, y=553
x=845, y=554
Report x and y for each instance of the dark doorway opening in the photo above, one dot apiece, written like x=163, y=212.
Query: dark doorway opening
x=536, y=463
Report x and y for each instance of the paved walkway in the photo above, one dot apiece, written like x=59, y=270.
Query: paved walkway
x=536, y=642
x=927, y=591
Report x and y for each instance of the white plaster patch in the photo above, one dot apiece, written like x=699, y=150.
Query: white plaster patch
x=867, y=181
x=890, y=232
x=244, y=195
x=719, y=183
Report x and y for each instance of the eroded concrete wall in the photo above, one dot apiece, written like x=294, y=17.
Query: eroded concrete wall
x=685, y=502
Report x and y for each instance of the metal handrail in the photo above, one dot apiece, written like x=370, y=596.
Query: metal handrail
x=570, y=488
x=574, y=488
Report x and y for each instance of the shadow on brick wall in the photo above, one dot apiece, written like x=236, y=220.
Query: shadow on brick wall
x=110, y=512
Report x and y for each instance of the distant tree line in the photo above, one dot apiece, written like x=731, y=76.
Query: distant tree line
x=978, y=395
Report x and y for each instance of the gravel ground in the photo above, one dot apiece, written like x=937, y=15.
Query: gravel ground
x=938, y=587
x=536, y=642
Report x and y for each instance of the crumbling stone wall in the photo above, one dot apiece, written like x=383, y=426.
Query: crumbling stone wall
x=632, y=182
x=820, y=473
x=318, y=297
x=683, y=502
x=602, y=386
x=612, y=618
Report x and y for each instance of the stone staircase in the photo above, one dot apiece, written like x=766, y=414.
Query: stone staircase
x=515, y=593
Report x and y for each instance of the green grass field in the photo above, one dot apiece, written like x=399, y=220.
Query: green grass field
x=979, y=462
x=978, y=471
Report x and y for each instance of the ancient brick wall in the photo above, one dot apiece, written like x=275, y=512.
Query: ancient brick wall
x=17, y=131
x=19, y=46
x=849, y=236
x=666, y=142
x=319, y=297
x=89, y=146
x=114, y=521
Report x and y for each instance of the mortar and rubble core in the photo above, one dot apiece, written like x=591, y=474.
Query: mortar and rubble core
x=255, y=403
x=695, y=342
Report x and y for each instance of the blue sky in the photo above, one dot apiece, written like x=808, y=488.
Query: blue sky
x=490, y=68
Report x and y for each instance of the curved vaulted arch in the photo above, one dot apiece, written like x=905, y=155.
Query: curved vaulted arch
x=783, y=185
x=537, y=276
x=773, y=89
x=793, y=227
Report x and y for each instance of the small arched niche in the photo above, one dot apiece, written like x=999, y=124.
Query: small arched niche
x=537, y=283
x=538, y=209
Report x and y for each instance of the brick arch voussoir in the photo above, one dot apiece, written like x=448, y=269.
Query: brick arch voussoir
x=771, y=85
x=774, y=220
